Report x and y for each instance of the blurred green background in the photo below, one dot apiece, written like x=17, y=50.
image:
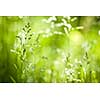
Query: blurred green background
x=50, y=49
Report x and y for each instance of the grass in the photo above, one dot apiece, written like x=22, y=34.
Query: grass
x=63, y=51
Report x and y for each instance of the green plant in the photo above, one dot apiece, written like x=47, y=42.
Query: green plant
x=51, y=55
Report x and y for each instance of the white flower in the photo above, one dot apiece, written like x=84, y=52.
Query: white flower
x=86, y=46
x=47, y=30
x=53, y=18
x=69, y=71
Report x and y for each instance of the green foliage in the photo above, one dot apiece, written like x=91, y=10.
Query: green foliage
x=54, y=49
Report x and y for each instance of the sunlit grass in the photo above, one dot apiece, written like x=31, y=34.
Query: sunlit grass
x=41, y=49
